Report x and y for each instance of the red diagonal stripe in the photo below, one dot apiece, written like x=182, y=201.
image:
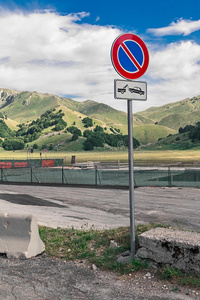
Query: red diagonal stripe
x=130, y=55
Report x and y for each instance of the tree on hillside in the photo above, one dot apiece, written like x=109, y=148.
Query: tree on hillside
x=74, y=130
x=13, y=144
x=195, y=132
x=87, y=122
x=98, y=129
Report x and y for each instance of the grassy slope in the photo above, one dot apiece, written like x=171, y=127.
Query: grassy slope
x=26, y=106
x=175, y=115
x=151, y=133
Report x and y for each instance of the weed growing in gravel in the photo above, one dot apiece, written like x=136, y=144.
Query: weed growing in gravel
x=93, y=245
x=175, y=275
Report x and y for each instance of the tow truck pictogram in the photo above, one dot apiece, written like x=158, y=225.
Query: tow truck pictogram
x=122, y=90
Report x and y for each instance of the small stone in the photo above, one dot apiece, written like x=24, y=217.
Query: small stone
x=113, y=244
x=126, y=253
x=147, y=275
x=94, y=267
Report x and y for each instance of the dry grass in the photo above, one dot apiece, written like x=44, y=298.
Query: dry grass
x=184, y=156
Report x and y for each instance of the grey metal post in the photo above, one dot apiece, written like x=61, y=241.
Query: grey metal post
x=131, y=177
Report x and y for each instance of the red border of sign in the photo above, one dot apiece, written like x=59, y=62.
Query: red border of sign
x=114, y=56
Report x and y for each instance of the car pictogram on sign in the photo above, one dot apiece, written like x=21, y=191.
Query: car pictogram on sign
x=136, y=90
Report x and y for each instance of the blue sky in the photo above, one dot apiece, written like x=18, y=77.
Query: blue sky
x=63, y=47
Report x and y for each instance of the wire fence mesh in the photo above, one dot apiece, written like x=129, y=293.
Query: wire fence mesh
x=160, y=177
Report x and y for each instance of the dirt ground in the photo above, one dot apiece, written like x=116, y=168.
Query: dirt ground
x=45, y=278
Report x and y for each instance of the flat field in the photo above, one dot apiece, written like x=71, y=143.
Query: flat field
x=184, y=157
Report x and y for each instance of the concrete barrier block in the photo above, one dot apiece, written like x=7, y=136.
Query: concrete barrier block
x=19, y=236
x=180, y=249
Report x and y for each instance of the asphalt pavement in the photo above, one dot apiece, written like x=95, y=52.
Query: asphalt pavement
x=103, y=208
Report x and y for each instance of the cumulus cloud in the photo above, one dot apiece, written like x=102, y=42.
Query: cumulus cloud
x=48, y=52
x=185, y=27
x=174, y=73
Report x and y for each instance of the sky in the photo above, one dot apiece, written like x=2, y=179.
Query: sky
x=63, y=48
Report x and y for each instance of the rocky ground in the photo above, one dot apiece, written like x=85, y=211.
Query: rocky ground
x=46, y=278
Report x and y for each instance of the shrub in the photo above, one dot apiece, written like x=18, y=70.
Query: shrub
x=35, y=146
x=74, y=137
x=88, y=122
x=13, y=144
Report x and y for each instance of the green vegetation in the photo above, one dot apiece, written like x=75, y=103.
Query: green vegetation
x=152, y=127
x=32, y=131
x=4, y=129
x=94, y=247
x=188, y=137
x=87, y=122
x=98, y=138
x=179, y=277
x=13, y=144
x=74, y=130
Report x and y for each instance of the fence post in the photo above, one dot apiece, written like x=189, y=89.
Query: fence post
x=169, y=177
x=95, y=174
x=31, y=175
x=62, y=175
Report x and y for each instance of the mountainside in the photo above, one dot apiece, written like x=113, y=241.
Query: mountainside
x=175, y=115
x=149, y=125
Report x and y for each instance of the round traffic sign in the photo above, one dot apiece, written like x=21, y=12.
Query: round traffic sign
x=129, y=56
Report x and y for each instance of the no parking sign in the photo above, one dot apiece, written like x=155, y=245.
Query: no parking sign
x=130, y=59
x=129, y=56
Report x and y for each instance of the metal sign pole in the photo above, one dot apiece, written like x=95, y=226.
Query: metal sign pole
x=131, y=177
x=122, y=48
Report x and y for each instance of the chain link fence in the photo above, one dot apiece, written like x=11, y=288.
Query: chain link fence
x=158, y=177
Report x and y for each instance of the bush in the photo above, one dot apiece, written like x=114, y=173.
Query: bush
x=88, y=145
x=74, y=137
x=13, y=144
x=98, y=129
x=74, y=130
x=88, y=122
x=35, y=146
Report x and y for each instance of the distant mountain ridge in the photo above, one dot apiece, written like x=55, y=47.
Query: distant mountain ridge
x=149, y=125
x=175, y=115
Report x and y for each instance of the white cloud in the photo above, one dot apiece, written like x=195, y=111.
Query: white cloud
x=48, y=52
x=184, y=27
x=173, y=73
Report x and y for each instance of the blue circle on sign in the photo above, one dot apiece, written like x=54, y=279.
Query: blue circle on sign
x=125, y=61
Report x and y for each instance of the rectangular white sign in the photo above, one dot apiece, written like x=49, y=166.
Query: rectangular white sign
x=130, y=90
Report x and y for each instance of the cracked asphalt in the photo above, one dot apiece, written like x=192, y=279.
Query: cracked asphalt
x=49, y=278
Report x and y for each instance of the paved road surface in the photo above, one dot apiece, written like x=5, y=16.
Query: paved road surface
x=103, y=208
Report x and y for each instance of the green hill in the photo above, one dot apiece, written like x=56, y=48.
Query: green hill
x=150, y=133
x=175, y=115
x=149, y=125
